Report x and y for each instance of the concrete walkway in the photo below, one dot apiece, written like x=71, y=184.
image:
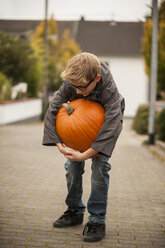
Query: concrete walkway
x=33, y=190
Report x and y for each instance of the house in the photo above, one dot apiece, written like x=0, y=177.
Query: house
x=118, y=44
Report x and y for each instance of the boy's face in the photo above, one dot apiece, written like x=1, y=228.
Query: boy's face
x=85, y=89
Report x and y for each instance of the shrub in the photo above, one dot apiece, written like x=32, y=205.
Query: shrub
x=140, y=122
x=20, y=63
x=161, y=125
x=3, y=80
x=34, y=78
x=5, y=87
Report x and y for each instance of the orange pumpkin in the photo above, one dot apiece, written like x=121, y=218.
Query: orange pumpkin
x=78, y=123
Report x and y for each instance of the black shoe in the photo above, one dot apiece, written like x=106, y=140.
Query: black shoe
x=93, y=232
x=70, y=217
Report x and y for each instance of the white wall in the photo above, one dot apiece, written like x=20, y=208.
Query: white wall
x=19, y=111
x=131, y=80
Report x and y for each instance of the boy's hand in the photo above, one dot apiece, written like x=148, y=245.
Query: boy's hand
x=64, y=149
x=75, y=156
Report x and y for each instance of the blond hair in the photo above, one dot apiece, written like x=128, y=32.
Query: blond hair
x=82, y=68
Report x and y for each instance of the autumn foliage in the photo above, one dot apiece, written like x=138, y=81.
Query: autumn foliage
x=59, y=50
x=147, y=40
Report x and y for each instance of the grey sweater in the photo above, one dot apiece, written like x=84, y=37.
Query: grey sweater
x=107, y=94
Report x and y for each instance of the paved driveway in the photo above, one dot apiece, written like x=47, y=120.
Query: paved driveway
x=33, y=189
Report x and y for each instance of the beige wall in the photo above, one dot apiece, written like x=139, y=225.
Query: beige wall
x=131, y=80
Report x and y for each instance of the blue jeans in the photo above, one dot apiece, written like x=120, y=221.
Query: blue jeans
x=97, y=202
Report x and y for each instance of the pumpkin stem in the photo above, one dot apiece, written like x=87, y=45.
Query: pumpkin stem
x=68, y=108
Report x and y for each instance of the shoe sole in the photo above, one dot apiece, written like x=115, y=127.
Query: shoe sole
x=63, y=226
x=85, y=239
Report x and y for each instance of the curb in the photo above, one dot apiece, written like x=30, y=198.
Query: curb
x=158, y=149
x=161, y=145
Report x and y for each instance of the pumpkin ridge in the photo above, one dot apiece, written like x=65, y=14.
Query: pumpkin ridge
x=84, y=129
x=92, y=117
x=77, y=136
x=79, y=117
x=92, y=122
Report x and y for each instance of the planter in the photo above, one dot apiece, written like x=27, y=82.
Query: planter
x=20, y=111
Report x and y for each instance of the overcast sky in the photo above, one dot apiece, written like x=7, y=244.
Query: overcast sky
x=119, y=10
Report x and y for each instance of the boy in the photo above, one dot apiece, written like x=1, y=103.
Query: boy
x=86, y=77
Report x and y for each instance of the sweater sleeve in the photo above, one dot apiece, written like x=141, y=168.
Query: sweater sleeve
x=114, y=106
x=50, y=137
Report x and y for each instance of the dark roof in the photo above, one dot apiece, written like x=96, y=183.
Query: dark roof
x=17, y=26
x=112, y=38
x=104, y=38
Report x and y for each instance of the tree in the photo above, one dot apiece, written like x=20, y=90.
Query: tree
x=161, y=56
x=18, y=61
x=60, y=49
x=38, y=36
x=146, y=42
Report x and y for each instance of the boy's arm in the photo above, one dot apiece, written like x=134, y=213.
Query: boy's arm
x=50, y=137
x=114, y=105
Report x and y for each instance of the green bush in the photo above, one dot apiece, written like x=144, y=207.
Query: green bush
x=34, y=77
x=3, y=80
x=140, y=122
x=20, y=95
x=161, y=125
x=19, y=62
x=5, y=87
